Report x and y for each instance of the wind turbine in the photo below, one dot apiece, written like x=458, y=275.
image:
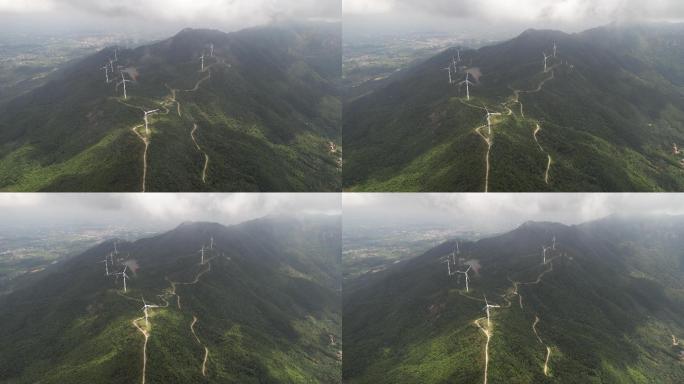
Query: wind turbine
x=124, y=81
x=467, y=82
x=486, y=308
x=212, y=243
x=211, y=49
x=116, y=251
x=106, y=261
x=202, y=58
x=458, y=53
x=466, y=276
x=554, y=49
x=147, y=130
x=202, y=252
x=116, y=56
x=448, y=69
x=106, y=69
x=544, y=249
x=111, y=65
x=554, y=243
x=448, y=261
x=144, y=308
x=125, y=276
x=545, y=58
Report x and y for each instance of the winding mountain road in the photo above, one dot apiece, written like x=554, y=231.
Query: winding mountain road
x=206, y=157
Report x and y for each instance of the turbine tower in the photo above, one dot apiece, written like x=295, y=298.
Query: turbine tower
x=106, y=261
x=486, y=308
x=124, y=81
x=449, y=69
x=545, y=59
x=211, y=49
x=554, y=49
x=202, y=252
x=202, y=59
x=448, y=261
x=211, y=246
x=554, y=243
x=466, y=276
x=144, y=308
x=106, y=69
x=125, y=276
x=467, y=82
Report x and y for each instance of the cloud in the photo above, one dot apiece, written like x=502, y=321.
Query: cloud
x=168, y=209
x=228, y=12
x=525, y=10
x=501, y=211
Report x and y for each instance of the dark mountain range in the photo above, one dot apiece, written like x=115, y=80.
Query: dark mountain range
x=264, y=307
x=605, y=115
x=260, y=113
x=603, y=305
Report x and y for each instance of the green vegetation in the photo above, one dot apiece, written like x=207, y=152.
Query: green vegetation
x=259, y=324
x=608, y=302
x=266, y=108
x=609, y=115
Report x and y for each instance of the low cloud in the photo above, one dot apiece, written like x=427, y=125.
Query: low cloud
x=526, y=10
x=501, y=211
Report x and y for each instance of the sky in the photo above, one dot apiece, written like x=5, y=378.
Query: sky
x=139, y=17
x=499, y=211
x=161, y=211
x=499, y=17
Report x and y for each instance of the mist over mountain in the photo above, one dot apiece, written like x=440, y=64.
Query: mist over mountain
x=595, y=302
x=604, y=115
x=254, y=302
x=253, y=110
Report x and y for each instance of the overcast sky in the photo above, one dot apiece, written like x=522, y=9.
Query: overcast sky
x=500, y=17
x=499, y=211
x=158, y=16
x=156, y=211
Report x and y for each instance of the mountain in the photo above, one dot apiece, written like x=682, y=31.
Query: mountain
x=261, y=114
x=603, y=116
x=605, y=306
x=264, y=307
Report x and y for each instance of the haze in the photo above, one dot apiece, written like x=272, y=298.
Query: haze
x=156, y=17
x=161, y=211
x=498, y=18
x=499, y=211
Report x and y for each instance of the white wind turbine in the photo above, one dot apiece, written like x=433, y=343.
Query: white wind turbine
x=449, y=69
x=465, y=273
x=554, y=243
x=147, y=129
x=111, y=65
x=124, y=81
x=554, y=49
x=116, y=54
x=448, y=261
x=544, y=249
x=211, y=49
x=125, y=276
x=106, y=262
x=144, y=308
x=211, y=246
x=202, y=59
x=202, y=253
x=486, y=308
x=545, y=59
x=106, y=69
x=467, y=82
